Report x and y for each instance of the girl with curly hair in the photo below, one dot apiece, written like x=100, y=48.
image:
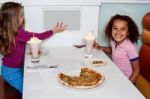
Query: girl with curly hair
x=122, y=32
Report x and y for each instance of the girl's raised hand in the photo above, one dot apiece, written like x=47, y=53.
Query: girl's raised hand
x=60, y=27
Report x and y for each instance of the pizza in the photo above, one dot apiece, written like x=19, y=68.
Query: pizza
x=86, y=79
x=98, y=62
x=93, y=62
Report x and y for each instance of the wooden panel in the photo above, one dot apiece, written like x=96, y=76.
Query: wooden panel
x=143, y=86
x=8, y=92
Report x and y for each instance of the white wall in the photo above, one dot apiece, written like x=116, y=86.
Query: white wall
x=125, y=1
x=55, y=2
x=35, y=22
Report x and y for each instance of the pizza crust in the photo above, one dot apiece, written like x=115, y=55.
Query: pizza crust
x=98, y=62
x=93, y=62
x=83, y=87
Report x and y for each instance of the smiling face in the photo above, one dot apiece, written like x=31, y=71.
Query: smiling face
x=119, y=30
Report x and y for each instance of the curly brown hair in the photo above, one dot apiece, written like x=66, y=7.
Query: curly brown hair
x=132, y=28
x=9, y=24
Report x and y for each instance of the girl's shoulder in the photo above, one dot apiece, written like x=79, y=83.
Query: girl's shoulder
x=127, y=43
x=21, y=30
x=131, y=43
x=131, y=46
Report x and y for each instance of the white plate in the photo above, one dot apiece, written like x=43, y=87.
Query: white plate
x=77, y=73
x=89, y=62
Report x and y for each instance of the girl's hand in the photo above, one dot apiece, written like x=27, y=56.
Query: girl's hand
x=96, y=45
x=106, y=49
x=59, y=28
x=132, y=80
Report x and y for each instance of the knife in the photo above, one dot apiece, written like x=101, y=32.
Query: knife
x=43, y=66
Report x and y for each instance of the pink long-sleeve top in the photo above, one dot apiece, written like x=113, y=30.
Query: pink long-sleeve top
x=16, y=58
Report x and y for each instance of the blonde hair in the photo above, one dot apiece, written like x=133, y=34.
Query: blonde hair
x=9, y=24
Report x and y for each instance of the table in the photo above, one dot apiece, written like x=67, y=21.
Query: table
x=43, y=83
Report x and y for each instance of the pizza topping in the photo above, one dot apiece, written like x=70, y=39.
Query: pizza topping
x=87, y=77
x=98, y=62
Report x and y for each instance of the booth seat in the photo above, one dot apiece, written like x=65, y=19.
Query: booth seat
x=143, y=80
x=143, y=86
x=8, y=92
x=145, y=55
x=146, y=21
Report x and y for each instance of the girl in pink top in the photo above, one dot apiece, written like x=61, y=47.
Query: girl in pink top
x=122, y=32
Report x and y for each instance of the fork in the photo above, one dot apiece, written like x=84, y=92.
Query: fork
x=79, y=46
x=43, y=66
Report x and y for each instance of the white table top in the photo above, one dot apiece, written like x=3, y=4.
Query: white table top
x=43, y=83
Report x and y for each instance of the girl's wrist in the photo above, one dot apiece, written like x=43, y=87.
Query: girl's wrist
x=53, y=31
x=99, y=47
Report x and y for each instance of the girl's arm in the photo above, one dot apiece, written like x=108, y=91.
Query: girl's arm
x=105, y=49
x=136, y=70
x=26, y=35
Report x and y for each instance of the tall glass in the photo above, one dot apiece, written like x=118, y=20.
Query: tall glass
x=89, y=41
x=34, y=44
x=89, y=48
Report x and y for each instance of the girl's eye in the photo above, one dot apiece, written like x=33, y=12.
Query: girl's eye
x=123, y=29
x=114, y=28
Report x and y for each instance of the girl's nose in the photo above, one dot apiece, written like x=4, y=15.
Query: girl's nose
x=118, y=31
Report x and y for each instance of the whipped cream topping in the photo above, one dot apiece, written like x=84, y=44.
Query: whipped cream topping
x=34, y=40
x=89, y=36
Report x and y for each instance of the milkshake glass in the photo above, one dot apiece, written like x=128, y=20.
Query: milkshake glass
x=89, y=41
x=34, y=44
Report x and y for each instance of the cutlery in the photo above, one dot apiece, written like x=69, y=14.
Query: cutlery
x=79, y=46
x=43, y=66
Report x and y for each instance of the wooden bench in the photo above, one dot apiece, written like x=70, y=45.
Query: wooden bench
x=143, y=86
x=8, y=92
